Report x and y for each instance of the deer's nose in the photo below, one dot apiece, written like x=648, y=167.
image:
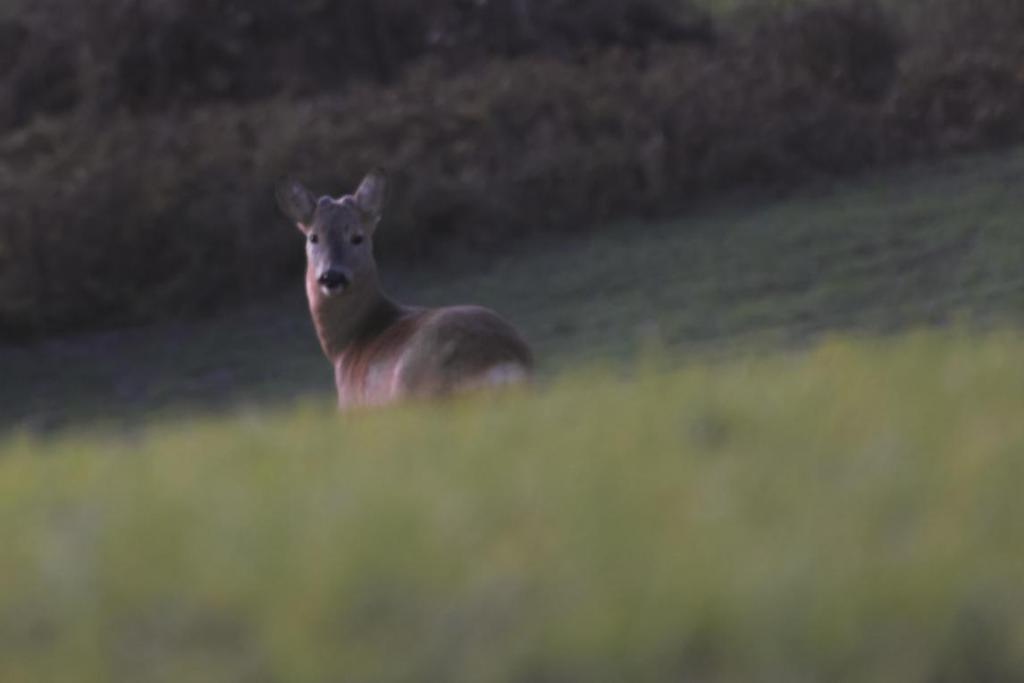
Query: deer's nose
x=334, y=279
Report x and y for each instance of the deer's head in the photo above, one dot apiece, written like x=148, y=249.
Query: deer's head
x=339, y=232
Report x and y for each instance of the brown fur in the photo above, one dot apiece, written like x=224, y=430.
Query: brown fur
x=410, y=352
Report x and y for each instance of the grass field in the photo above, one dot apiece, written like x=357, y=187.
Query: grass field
x=846, y=514
x=920, y=247
x=773, y=442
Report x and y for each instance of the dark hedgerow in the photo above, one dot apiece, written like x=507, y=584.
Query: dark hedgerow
x=149, y=54
x=117, y=211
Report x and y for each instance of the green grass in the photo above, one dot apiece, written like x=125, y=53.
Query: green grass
x=756, y=498
x=920, y=247
x=850, y=513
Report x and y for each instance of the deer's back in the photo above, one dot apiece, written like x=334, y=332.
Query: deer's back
x=433, y=352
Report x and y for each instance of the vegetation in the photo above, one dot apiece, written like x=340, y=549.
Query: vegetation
x=936, y=245
x=847, y=514
x=135, y=183
x=664, y=505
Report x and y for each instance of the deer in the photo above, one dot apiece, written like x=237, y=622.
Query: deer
x=383, y=351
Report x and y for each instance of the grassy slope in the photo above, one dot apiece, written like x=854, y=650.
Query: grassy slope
x=849, y=514
x=912, y=248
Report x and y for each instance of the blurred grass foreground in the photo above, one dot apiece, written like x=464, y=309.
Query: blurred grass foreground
x=847, y=513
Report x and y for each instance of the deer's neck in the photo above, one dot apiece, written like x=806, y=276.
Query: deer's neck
x=344, y=320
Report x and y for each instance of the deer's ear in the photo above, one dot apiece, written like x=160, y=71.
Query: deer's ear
x=296, y=202
x=371, y=194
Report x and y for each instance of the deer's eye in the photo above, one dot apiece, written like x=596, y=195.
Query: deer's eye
x=313, y=238
x=357, y=239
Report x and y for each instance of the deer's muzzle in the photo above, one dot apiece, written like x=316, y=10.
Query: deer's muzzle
x=334, y=281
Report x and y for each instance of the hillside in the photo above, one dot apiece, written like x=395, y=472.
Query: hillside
x=139, y=142
x=931, y=246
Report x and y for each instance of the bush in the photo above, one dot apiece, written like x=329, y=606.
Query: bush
x=115, y=216
x=150, y=54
